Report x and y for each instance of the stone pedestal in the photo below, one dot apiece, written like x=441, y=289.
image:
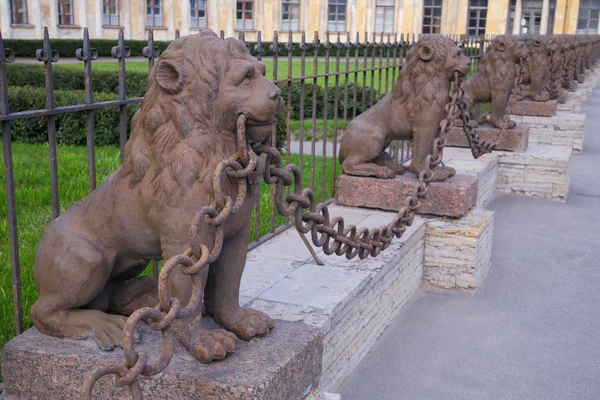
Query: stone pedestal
x=351, y=301
x=541, y=172
x=535, y=108
x=286, y=364
x=513, y=140
x=484, y=168
x=458, y=251
x=453, y=198
x=565, y=129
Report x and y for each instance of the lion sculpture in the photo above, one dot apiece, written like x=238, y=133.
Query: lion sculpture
x=569, y=60
x=536, y=68
x=494, y=79
x=412, y=111
x=89, y=259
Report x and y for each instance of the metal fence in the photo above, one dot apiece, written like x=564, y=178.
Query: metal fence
x=350, y=71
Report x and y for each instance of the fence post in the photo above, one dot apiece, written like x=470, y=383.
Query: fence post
x=48, y=56
x=87, y=54
x=121, y=52
x=7, y=56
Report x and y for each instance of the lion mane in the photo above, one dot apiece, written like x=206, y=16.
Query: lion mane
x=497, y=66
x=418, y=86
x=176, y=138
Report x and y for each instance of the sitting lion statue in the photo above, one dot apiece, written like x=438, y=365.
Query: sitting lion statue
x=412, y=111
x=495, y=78
x=89, y=259
x=536, y=68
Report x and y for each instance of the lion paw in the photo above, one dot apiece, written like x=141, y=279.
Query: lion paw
x=385, y=173
x=443, y=173
x=247, y=323
x=209, y=345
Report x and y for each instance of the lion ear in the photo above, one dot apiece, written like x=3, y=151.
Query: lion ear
x=425, y=52
x=170, y=76
x=500, y=45
x=537, y=42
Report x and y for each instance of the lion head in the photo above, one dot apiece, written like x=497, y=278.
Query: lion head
x=540, y=50
x=501, y=56
x=434, y=58
x=187, y=121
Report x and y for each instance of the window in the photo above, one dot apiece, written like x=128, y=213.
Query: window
x=244, y=15
x=477, y=17
x=587, y=22
x=65, y=12
x=110, y=10
x=384, y=16
x=512, y=12
x=18, y=12
x=153, y=13
x=336, y=16
x=198, y=14
x=432, y=16
x=290, y=17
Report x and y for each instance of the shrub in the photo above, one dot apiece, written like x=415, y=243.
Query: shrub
x=70, y=127
x=72, y=79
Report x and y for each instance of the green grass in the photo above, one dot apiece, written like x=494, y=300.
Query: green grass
x=282, y=70
x=34, y=211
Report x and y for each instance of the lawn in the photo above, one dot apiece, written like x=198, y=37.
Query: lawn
x=282, y=70
x=32, y=181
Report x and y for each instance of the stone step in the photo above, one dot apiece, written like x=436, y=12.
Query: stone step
x=453, y=197
x=535, y=108
x=565, y=130
x=351, y=301
x=285, y=364
x=515, y=139
x=541, y=172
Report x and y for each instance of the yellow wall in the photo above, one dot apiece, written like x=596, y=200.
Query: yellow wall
x=267, y=18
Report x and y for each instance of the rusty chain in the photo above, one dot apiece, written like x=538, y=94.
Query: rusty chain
x=478, y=146
x=348, y=240
x=197, y=257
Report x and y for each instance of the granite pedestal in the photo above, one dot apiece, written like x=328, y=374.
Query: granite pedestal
x=286, y=364
x=513, y=140
x=535, y=108
x=452, y=197
x=565, y=129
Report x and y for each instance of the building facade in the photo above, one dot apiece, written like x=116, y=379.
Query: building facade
x=65, y=18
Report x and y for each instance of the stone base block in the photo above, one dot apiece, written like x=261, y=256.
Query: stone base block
x=484, y=168
x=458, y=251
x=453, y=198
x=286, y=364
x=513, y=140
x=571, y=106
x=535, y=108
x=565, y=129
x=541, y=172
x=352, y=301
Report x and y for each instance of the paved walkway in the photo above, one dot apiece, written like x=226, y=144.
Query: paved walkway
x=532, y=331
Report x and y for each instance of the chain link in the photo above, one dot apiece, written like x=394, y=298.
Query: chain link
x=478, y=146
x=197, y=257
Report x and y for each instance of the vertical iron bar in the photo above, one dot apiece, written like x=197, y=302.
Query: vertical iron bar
x=259, y=50
x=325, y=115
x=87, y=54
x=347, y=75
x=275, y=48
x=355, y=94
x=302, y=88
x=335, y=113
x=365, y=66
x=120, y=52
x=388, y=45
x=290, y=50
x=47, y=55
x=373, y=55
x=9, y=182
x=380, y=72
x=177, y=34
x=314, y=110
